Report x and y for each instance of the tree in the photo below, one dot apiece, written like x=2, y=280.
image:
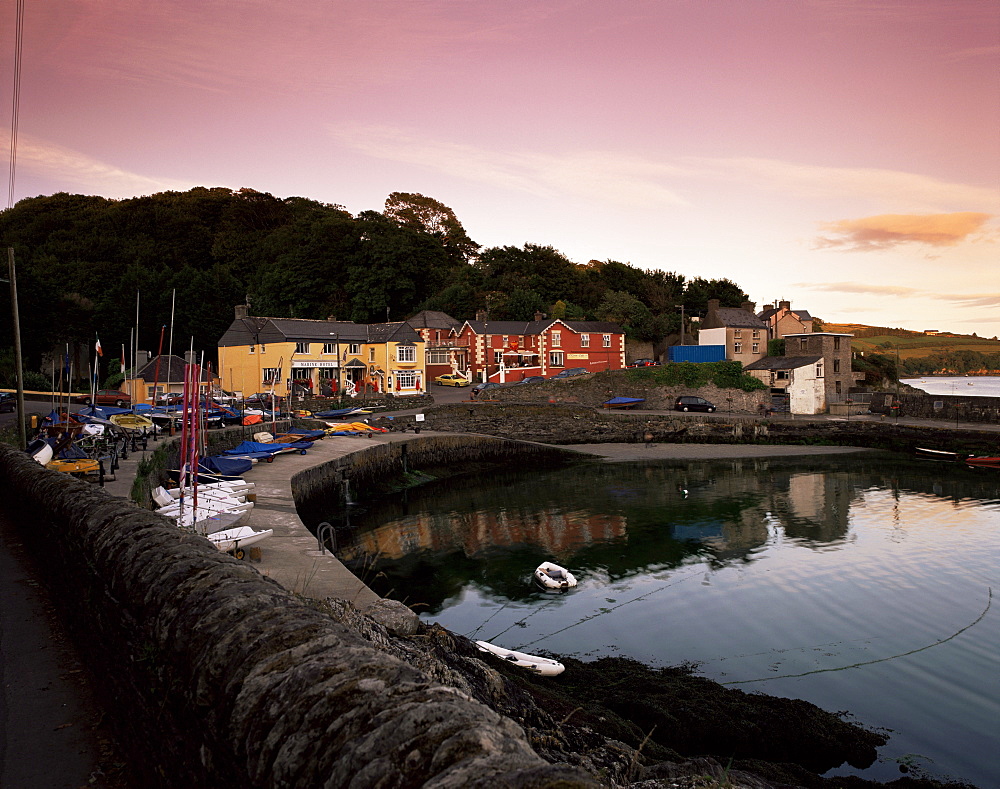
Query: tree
x=430, y=216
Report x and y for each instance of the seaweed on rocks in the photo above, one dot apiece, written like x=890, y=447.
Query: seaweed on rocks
x=631, y=725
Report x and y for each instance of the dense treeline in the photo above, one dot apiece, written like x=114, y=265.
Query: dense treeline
x=81, y=261
x=952, y=362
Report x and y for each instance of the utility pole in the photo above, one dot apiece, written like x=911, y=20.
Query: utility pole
x=682, y=321
x=22, y=431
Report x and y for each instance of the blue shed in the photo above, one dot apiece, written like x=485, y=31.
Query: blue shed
x=696, y=353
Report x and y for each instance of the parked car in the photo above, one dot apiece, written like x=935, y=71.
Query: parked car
x=264, y=400
x=452, y=379
x=571, y=372
x=478, y=389
x=105, y=397
x=531, y=379
x=643, y=363
x=169, y=398
x=8, y=402
x=692, y=403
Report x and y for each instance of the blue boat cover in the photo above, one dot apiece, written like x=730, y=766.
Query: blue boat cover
x=224, y=465
x=624, y=401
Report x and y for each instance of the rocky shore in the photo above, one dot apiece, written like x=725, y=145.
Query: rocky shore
x=632, y=726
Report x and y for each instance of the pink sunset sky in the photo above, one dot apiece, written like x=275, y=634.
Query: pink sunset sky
x=840, y=154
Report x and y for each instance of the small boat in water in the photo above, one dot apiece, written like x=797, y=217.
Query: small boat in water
x=552, y=576
x=984, y=461
x=937, y=454
x=543, y=666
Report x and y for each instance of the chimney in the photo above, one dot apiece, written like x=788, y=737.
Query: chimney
x=784, y=305
x=242, y=311
x=713, y=305
x=539, y=316
x=191, y=357
x=480, y=315
x=141, y=359
x=750, y=307
x=331, y=318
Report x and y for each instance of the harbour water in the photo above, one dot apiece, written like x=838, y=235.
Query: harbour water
x=959, y=385
x=862, y=584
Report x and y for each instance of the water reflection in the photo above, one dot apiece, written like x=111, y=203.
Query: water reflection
x=623, y=519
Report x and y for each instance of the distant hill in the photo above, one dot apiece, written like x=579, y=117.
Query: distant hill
x=911, y=344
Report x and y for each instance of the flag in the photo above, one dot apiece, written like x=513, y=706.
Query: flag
x=97, y=347
x=123, y=360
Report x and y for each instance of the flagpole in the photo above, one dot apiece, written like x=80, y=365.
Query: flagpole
x=170, y=351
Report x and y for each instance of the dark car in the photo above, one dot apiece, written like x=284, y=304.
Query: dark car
x=692, y=403
x=531, y=379
x=8, y=402
x=264, y=400
x=571, y=372
x=478, y=389
x=644, y=363
x=105, y=397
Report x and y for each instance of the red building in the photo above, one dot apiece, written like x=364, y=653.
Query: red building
x=504, y=351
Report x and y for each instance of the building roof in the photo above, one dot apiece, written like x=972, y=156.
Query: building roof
x=430, y=319
x=732, y=318
x=171, y=369
x=783, y=362
x=802, y=315
x=261, y=331
x=537, y=327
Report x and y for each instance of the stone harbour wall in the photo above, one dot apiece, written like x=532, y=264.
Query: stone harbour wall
x=228, y=680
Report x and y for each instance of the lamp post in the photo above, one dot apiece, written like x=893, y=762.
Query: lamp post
x=336, y=348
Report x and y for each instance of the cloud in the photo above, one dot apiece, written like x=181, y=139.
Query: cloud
x=889, y=230
x=75, y=170
x=606, y=177
x=904, y=292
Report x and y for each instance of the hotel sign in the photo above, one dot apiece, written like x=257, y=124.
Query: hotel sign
x=299, y=364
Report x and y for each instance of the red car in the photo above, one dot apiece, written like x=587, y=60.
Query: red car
x=105, y=397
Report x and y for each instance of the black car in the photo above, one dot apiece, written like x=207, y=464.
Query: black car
x=478, y=389
x=692, y=403
x=644, y=363
x=8, y=402
x=531, y=379
x=570, y=372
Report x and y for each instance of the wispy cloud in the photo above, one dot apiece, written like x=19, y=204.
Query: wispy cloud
x=77, y=171
x=635, y=180
x=890, y=230
x=610, y=177
x=904, y=292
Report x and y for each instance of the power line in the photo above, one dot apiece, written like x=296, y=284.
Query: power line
x=15, y=103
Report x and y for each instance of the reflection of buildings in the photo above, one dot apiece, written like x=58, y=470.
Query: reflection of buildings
x=474, y=532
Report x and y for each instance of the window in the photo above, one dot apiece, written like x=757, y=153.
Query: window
x=329, y=348
x=557, y=339
x=556, y=359
x=738, y=334
x=837, y=386
x=251, y=349
x=406, y=353
x=607, y=341
x=803, y=343
x=406, y=379
x=782, y=375
x=836, y=366
x=819, y=370
x=497, y=357
x=584, y=340
x=505, y=340
x=301, y=347
x=371, y=354
x=270, y=374
x=755, y=348
x=354, y=348
x=438, y=356
x=737, y=347
x=836, y=343
x=756, y=334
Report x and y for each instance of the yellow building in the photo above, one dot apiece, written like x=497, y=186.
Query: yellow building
x=322, y=357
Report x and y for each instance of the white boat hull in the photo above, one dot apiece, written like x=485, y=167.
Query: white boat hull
x=243, y=537
x=545, y=667
x=552, y=576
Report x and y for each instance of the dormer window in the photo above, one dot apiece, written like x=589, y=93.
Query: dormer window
x=557, y=339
